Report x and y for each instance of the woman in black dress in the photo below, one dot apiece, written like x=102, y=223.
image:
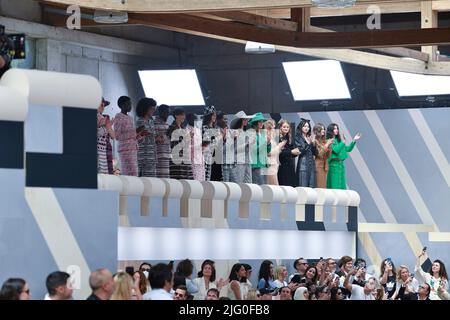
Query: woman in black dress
x=306, y=166
x=286, y=170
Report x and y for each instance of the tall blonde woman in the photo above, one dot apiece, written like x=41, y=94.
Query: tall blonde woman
x=323, y=147
x=275, y=150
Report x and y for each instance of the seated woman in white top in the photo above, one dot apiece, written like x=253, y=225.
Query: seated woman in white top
x=406, y=283
x=206, y=280
x=435, y=277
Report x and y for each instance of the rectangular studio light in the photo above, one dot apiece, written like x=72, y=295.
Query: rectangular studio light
x=316, y=80
x=172, y=87
x=411, y=84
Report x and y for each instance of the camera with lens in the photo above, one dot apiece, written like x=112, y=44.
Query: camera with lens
x=12, y=46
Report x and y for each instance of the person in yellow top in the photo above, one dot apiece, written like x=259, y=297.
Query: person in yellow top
x=339, y=152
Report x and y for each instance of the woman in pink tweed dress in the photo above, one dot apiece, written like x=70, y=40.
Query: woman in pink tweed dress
x=126, y=136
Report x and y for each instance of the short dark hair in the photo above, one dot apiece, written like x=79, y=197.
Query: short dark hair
x=158, y=276
x=191, y=118
x=185, y=267
x=182, y=287
x=344, y=260
x=145, y=264
x=216, y=291
x=178, y=111
x=144, y=105
x=296, y=262
x=56, y=279
x=122, y=100
x=359, y=261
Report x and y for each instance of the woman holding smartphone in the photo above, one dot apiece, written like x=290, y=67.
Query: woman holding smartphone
x=436, y=276
x=406, y=284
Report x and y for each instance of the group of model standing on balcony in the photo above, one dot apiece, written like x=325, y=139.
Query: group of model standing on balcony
x=249, y=149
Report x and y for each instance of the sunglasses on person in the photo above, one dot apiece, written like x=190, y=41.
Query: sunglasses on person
x=145, y=269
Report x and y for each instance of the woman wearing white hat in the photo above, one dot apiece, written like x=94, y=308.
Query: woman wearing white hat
x=242, y=170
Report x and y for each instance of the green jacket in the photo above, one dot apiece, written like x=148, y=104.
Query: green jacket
x=259, y=153
x=340, y=150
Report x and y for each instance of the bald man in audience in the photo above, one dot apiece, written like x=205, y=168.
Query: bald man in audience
x=102, y=284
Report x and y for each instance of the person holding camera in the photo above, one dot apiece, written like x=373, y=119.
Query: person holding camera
x=436, y=276
x=406, y=284
x=358, y=292
x=387, y=279
x=12, y=47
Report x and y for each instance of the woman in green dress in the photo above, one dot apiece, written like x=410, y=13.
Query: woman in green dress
x=336, y=170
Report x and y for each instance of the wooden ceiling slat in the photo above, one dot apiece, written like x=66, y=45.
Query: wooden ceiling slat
x=367, y=39
x=183, y=6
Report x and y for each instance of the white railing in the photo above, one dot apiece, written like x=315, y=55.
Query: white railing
x=216, y=200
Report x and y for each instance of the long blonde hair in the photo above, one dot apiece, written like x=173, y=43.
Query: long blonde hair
x=279, y=272
x=280, y=123
x=399, y=272
x=252, y=294
x=124, y=286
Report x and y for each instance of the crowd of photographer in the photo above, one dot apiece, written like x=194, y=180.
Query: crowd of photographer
x=324, y=280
